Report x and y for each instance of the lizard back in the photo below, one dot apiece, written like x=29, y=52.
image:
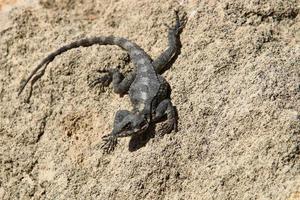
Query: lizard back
x=145, y=86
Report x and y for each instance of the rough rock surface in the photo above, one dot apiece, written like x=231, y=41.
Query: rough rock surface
x=236, y=86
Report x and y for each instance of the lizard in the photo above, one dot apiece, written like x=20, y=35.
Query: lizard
x=148, y=90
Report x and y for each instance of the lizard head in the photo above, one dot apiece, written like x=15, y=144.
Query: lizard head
x=133, y=124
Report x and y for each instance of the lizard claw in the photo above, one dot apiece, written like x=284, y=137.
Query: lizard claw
x=110, y=142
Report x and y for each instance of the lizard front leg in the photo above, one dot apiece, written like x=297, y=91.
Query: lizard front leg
x=110, y=140
x=166, y=108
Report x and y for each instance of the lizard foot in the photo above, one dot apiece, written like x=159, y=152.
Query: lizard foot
x=168, y=127
x=110, y=143
x=180, y=23
x=103, y=81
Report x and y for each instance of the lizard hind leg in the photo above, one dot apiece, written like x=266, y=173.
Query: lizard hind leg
x=163, y=62
x=120, y=82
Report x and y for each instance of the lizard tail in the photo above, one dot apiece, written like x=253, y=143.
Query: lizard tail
x=86, y=42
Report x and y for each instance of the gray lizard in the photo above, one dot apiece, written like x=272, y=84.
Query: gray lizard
x=148, y=91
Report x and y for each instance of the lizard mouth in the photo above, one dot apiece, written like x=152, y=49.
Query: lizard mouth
x=143, y=128
x=135, y=131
